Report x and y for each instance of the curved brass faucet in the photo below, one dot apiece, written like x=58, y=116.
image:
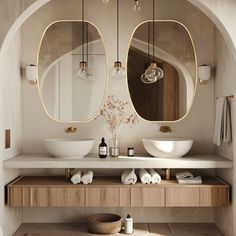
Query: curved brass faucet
x=165, y=129
x=70, y=130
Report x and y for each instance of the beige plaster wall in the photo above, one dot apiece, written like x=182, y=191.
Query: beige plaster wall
x=11, y=218
x=225, y=84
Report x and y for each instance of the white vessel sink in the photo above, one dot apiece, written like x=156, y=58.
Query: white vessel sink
x=68, y=148
x=167, y=147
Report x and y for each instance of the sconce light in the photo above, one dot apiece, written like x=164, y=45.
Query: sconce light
x=31, y=74
x=204, y=74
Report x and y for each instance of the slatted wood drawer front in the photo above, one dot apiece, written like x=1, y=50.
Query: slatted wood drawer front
x=46, y=197
x=182, y=197
x=214, y=196
x=147, y=197
x=107, y=197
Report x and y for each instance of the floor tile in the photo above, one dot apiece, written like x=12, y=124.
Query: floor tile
x=177, y=229
x=159, y=229
x=194, y=229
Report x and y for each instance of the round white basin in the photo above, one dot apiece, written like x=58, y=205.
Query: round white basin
x=68, y=148
x=167, y=147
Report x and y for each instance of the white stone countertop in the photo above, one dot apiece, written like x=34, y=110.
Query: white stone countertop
x=196, y=161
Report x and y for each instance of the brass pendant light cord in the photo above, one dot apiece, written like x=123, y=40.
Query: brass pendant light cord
x=87, y=35
x=153, y=29
x=82, y=30
x=117, y=28
x=148, y=42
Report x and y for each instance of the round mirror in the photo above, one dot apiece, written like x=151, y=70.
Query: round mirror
x=161, y=71
x=72, y=70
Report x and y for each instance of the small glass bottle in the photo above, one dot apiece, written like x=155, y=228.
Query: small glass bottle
x=102, y=149
x=130, y=151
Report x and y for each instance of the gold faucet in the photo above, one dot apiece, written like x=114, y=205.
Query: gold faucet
x=70, y=130
x=165, y=129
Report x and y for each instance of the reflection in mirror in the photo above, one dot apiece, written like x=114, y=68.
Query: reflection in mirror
x=169, y=98
x=68, y=95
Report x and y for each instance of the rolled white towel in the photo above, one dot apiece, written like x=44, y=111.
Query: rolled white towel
x=87, y=177
x=144, y=176
x=76, y=178
x=129, y=177
x=155, y=177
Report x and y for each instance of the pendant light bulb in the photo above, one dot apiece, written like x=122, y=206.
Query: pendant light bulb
x=105, y=1
x=136, y=7
x=153, y=73
x=118, y=72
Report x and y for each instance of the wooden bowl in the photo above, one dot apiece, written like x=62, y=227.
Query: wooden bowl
x=104, y=223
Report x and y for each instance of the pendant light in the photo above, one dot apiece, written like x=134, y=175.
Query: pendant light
x=105, y=1
x=84, y=72
x=136, y=7
x=153, y=73
x=117, y=72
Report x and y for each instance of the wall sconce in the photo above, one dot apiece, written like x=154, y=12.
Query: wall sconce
x=31, y=74
x=204, y=74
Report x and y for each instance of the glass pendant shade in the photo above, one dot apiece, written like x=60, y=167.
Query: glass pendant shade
x=105, y=1
x=118, y=72
x=152, y=74
x=84, y=72
x=136, y=7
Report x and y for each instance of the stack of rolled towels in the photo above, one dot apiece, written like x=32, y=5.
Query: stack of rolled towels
x=85, y=177
x=149, y=176
x=146, y=177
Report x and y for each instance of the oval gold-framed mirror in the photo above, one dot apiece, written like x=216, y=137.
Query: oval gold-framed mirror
x=162, y=71
x=72, y=71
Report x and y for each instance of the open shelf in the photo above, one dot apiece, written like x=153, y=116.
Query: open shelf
x=31, y=191
x=197, y=161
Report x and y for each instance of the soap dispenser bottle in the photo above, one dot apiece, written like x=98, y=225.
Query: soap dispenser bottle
x=102, y=149
x=128, y=224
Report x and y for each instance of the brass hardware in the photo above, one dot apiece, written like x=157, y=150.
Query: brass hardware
x=165, y=129
x=68, y=173
x=203, y=82
x=83, y=64
x=7, y=138
x=71, y=130
x=117, y=64
x=167, y=174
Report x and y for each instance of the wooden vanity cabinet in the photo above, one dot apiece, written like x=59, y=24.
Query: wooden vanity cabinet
x=103, y=192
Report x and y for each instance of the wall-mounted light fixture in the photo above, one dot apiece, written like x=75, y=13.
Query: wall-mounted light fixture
x=31, y=74
x=204, y=74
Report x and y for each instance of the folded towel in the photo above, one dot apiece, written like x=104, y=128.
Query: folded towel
x=194, y=180
x=155, y=177
x=76, y=178
x=129, y=177
x=223, y=130
x=184, y=175
x=144, y=176
x=87, y=177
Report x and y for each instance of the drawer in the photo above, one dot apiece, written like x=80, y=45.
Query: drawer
x=182, y=197
x=107, y=197
x=147, y=197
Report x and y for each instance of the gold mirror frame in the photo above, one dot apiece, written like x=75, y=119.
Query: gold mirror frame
x=196, y=71
x=106, y=83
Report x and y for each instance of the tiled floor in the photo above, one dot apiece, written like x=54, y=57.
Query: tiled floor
x=140, y=230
